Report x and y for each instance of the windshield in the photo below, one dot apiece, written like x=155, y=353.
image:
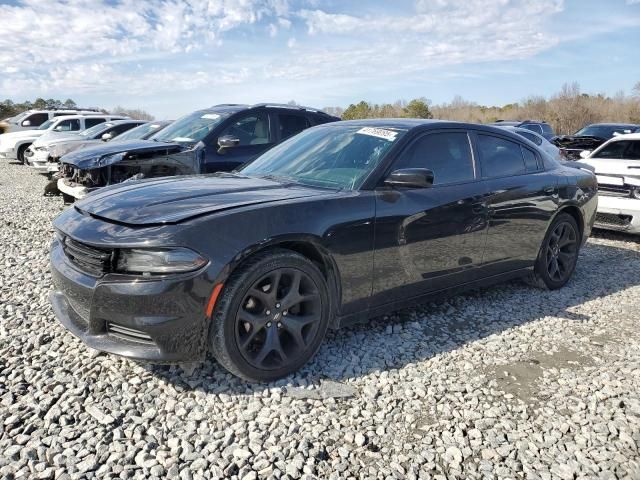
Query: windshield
x=190, y=128
x=602, y=131
x=17, y=118
x=95, y=130
x=332, y=156
x=620, y=149
x=141, y=132
x=46, y=125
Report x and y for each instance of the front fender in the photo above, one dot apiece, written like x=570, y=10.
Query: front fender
x=310, y=246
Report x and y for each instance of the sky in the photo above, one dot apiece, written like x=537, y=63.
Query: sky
x=170, y=57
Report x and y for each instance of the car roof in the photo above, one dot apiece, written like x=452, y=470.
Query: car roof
x=613, y=125
x=516, y=122
x=626, y=136
x=513, y=128
x=411, y=123
x=125, y=120
x=237, y=107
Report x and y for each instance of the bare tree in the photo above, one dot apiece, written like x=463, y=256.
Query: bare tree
x=134, y=113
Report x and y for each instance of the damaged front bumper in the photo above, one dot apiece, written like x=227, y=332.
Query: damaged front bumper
x=8, y=154
x=618, y=213
x=39, y=160
x=74, y=190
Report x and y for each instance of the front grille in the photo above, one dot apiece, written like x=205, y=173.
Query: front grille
x=614, y=190
x=613, y=220
x=129, y=334
x=93, y=260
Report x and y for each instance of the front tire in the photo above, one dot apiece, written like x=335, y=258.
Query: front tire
x=271, y=317
x=558, y=254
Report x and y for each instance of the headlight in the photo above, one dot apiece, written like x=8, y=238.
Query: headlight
x=42, y=148
x=158, y=260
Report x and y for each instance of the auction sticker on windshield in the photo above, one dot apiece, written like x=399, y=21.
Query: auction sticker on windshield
x=211, y=116
x=379, y=132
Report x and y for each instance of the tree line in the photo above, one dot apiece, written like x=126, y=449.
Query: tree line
x=8, y=108
x=566, y=111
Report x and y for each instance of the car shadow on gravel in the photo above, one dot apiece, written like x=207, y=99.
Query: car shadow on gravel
x=414, y=335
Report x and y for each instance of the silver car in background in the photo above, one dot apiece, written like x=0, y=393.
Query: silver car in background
x=541, y=142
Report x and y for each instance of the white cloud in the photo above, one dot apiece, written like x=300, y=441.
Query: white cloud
x=156, y=46
x=36, y=33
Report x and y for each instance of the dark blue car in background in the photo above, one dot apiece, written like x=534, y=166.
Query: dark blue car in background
x=220, y=138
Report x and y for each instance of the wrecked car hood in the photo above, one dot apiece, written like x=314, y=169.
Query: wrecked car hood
x=578, y=142
x=89, y=158
x=175, y=199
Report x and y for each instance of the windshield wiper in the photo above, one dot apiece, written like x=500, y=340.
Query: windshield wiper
x=278, y=178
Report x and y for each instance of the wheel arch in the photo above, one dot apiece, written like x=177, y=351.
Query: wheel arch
x=576, y=213
x=310, y=247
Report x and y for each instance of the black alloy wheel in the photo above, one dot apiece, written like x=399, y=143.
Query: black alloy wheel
x=278, y=317
x=558, y=254
x=561, y=252
x=271, y=316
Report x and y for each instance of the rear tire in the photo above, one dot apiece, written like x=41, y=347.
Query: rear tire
x=271, y=317
x=558, y=254
x=21, y=158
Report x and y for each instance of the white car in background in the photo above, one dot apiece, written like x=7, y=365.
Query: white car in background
x=32, y=119
x=617, y=168
x=14, y=145
x=42, y=152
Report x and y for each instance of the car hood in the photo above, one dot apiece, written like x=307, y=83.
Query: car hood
x=578, y=142
x=89, y=158
x=11, y=136
x=57, y=149
x=614, y=166
x=172, y=200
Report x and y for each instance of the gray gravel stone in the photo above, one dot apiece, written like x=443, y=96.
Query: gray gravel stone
x=509, y=382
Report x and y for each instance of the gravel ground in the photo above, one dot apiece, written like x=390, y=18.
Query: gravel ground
x=510, y=382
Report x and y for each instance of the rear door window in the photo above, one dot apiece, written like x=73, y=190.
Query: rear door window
x=447, y=155
x=499, y=157
x=71, y=125
x=291, y=124
x=92, y=122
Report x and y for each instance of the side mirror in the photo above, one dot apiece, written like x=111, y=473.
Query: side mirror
x=106, y=137
x=228, y=141
x=410, y=178
x=58, y=128
x=585, y=153
x=26, y=123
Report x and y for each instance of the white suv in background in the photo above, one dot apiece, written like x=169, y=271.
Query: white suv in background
x=32, y=119
x=14, y=145
x=617, y=168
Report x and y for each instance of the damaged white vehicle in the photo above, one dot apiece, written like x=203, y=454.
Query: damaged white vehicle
x=617, y=167
x=44, y=153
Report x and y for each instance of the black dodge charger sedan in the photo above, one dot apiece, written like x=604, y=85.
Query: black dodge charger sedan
x=342, y=222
